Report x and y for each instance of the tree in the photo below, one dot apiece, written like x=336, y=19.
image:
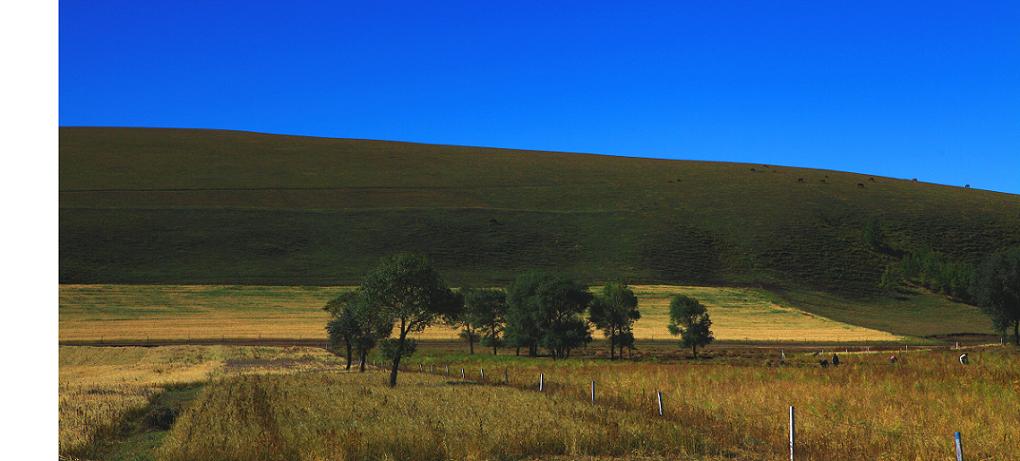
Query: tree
x=468, y=330
x=874, y=237
x=413, y=296
x=522, y=314
x=614, y=312
x=689, y=319
x=343, y=326
x=996, y=288
x=485, y=309
x=358, y=324
x=544, y=310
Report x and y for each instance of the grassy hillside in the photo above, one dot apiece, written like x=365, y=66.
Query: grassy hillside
x=223, y=207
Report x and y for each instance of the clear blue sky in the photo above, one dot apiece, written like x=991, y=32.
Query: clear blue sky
x=926, y=89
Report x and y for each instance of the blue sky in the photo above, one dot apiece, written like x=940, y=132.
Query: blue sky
x=905, y=89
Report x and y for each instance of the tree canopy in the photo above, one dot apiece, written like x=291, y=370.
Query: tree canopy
x=485, y=310
x=544, y=310
x=410, y=292
x=357, y=324
x=996, y=289
x=614, y=311
x=689, y=319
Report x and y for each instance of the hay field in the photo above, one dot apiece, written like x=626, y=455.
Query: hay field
x=257, y=403
x=140, y=312
x=866, y=408
x=100, y=386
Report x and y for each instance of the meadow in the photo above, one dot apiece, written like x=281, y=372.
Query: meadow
x=214, y=312
x=298, y=404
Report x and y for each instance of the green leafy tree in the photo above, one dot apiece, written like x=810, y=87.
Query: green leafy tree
x=689, y=319
x=996, y=288
x=412, y=294
x=357, y=324
x=545, y=311
x=874, y=237
x=485, y=309
x=522, y=330
x=343, y=326
x=614, y=312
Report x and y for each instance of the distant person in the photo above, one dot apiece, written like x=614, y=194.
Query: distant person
x=892, y=359
x=824, y=363
x=835, y=360
x=964, y=359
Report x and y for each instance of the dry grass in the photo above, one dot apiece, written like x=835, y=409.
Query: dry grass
x=98, y=386
x=252, y=408
x=341, y=416
x=864, y=409
x=139, y=312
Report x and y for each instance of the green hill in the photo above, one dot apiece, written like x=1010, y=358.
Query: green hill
x=205, y=206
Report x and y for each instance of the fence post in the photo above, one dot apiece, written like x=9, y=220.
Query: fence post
x=481, y=372
x=959, y=446
x=541, y=382
x=506, y=375
x=793, y=432
x=421, y=368
x=593, y=391
x=448, y=369
x=461, y=374
x=658, y=397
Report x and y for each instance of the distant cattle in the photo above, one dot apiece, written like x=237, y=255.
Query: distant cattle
x=823, y=363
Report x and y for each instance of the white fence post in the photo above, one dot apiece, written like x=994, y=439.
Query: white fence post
x=959, y=446
x=593, y=391
x=481, y=372
x=541, y=382
x=658, y=398
x=793, y=432
x=461, y=374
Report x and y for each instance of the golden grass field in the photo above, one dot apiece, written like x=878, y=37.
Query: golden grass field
x=100, y=385
x=140, y=312
x=261, y=403
x=866, y=408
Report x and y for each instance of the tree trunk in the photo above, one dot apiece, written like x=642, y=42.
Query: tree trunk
x=612, y=345
x=471, y=342
x=397, y=355
x=1016, y=332
x=364, y=358
x=518, y=353
x=695, y=349
x=348, y=344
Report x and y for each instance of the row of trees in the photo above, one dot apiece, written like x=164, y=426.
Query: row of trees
x=538, y=310
x=934, y=271
x=993, y=285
